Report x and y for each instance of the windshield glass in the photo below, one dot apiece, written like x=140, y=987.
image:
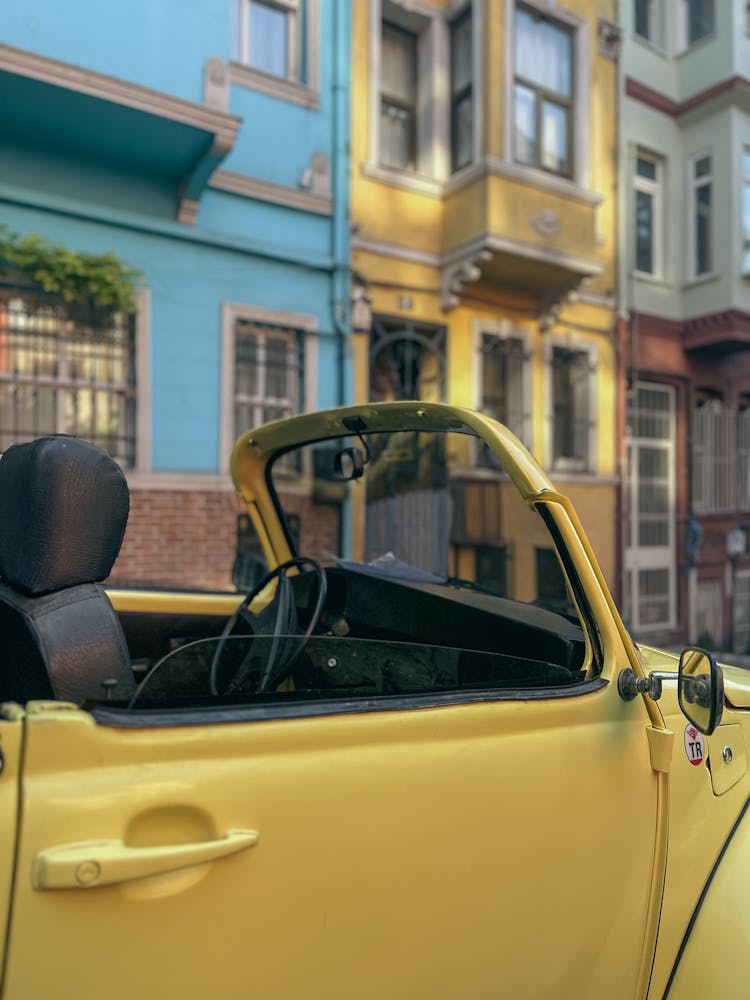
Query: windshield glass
x=431, y=506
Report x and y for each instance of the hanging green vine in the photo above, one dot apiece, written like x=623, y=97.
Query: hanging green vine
x=94, y=280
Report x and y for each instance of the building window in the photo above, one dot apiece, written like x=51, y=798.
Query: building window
x=503, y=382
x=61, y=373
x=746, y=210
x=715, y=458
x=407, y=360
x=648, y=180
x=543, y=94
x=644, y=19
x=266, y=36
x=461, y=124
x=572, y=408
x=268, y=376
x=697, y=20
x=398, y=98
x=650, y=561
x=701, y=240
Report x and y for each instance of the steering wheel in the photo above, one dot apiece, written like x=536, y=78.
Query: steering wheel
x=288, y=639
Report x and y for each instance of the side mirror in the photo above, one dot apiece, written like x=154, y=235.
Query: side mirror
x=700, y=689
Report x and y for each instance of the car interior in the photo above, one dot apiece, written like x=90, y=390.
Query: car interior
x=341, y=631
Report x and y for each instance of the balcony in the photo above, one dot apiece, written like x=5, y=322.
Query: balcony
x=514, y=230
x=717, y=334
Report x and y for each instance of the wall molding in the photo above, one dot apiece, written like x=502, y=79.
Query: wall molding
x=277, y=194
x=658, y=101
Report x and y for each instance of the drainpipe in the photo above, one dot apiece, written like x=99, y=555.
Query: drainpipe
x=341, y=277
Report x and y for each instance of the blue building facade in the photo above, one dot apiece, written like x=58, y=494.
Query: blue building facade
x=206, y=145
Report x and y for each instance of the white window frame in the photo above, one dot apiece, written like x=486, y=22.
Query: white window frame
x=694, y=184
x=683, y=17
x=503, y=329
x=280, y=320
x=303, y=37
x=431, y=25
x=654, y=188
x=745, y=221
x=576, y=343
x=652, y=22
x=580, y=113
x=657, y=557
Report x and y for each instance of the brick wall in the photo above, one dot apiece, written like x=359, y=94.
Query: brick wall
x=185, y=539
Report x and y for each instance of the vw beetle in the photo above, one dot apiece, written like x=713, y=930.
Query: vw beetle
x=390, y=769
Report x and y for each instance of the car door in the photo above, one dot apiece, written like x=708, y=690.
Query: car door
x=425, y=850
x=11, y=733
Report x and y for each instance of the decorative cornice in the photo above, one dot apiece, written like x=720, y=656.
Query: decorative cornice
x=454, y=276
x=278, y=194
x=586, y=267
x=675, y=109
x=383, y=249
x=727, y=330
x=722, y=332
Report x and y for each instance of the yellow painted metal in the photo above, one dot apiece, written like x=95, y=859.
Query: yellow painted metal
x=11, y=741
x=94, y=863
x=435, y=849
x=726, y=751
x=176, y=602
x=716, y=961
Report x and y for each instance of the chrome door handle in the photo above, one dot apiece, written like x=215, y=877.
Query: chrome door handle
x=93, y=863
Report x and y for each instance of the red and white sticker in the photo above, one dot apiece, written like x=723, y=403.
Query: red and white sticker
x=695, y=745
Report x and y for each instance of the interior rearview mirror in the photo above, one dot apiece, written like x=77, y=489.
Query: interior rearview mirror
x=349, y=464
x=700, y=689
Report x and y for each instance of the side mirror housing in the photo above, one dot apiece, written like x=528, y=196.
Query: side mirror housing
x=700, y=689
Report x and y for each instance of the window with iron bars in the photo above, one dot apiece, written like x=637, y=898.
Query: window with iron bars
x=721, y=458
x=571, y=410
x=268, y=375
x=407, y=360
x=65, y=371
x=502, y=386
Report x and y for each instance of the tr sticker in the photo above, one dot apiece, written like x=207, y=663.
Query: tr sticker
x=695, y=745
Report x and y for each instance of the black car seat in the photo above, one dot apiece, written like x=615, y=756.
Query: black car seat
x=63, y=509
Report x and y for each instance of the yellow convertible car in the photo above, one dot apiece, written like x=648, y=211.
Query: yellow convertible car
x=388, y=772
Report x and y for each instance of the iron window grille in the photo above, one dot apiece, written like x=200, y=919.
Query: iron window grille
x=571, y=409
x=66, y=370
x=268, y=374
x=407, y=360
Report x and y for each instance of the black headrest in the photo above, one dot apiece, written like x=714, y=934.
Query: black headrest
x=63, y=510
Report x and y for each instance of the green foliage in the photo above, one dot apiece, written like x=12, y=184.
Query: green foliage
x=95, y=280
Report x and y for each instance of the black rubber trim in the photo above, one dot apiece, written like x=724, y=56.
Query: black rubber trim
x=701, y=899
x=154, y=718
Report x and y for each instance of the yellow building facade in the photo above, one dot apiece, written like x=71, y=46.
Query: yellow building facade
x=484, y=240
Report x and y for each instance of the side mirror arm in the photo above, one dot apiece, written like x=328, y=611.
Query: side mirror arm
x=629, y=685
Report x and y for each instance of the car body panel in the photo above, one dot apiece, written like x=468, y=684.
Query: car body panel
x=404, y=851
x=11, y=744
x=715, y=961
